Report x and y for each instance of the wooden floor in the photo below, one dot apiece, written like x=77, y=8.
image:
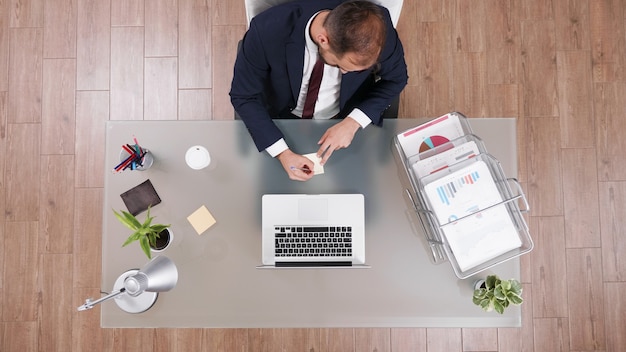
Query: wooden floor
x=66, y=66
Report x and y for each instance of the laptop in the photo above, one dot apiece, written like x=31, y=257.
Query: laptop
x=305, y=231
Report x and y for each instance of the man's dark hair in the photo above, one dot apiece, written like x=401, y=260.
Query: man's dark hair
x=356, y=27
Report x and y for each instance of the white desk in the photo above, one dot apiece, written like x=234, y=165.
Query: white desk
x=219, y=285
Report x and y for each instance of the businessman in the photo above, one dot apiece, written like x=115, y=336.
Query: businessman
x=345, y=57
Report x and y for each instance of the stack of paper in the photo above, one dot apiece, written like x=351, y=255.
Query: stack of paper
x=462, y=202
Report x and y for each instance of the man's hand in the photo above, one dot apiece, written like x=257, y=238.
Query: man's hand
x=298, y=167
x=337, y=137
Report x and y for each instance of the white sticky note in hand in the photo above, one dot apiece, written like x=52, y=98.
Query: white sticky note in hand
x=317, y=167
x=201, y=219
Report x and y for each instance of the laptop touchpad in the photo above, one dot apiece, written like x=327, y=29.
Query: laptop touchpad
x=313, y=209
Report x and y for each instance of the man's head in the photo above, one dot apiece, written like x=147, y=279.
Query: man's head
x=355, y=33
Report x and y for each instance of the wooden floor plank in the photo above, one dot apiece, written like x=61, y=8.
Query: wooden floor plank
x=56, y=219
x=25, y=80
x=86, y=332
x=161, y=28
x=469, y=34
x=92, y=111
x=127, y=12
x=520, y=339
x=572, y=24
x=160, y=100
x=575, y=107
x=430, y=91
x=265, y=339
x=21, y=173
x=172, y=340
x=580, y=196
x=609, y=108
x=224, y=39
x=608, y=40
x=444, y=340
x=19, y=336
x=87, y=237
x=615, y=307
x=538, y=68
x=301, y=339
x=470, y=73
x=503, y=41
x=27, y=13
x=372, y=339
x=337, y=340
x=585, y=299
x=21, y=265
x=501, y=100
x=543, y=154
x=613, y=230
x=58, y=121
x=60, y=29
x=93, y=44
x=480, y=339
x=127, y=75
x=552, y=334
x=4, y=46
x=55, y=327
x=139, y=340
x=408, y=339
x=3, y=151
x=549, y=262
x=194, y=44
x=195, y=104
x=227, y=12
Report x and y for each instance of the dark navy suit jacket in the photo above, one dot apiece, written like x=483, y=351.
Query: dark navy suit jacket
x=268, y=71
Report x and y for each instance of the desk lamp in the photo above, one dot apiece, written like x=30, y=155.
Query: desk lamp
x=135, y=291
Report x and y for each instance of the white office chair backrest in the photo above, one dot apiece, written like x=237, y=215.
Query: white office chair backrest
x=254, y=7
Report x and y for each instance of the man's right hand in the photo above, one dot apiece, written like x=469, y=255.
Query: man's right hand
x=298, y=167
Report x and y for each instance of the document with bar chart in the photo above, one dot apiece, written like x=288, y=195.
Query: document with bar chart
x=484, y=235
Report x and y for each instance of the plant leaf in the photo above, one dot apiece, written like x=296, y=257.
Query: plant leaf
x=490, y=281
x=514, y=298
x=516, y=286
x=145, y=246
x=485, y=304
x=499, y=294
x=127, y=220
x=506, y=285
x=498, y=307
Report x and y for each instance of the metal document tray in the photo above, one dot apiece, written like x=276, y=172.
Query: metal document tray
x=511, y=196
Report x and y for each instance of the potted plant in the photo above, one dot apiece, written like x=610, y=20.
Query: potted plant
x=494, y=293
x=149, y=235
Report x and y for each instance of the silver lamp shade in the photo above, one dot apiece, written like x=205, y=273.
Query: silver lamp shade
x=136, y=291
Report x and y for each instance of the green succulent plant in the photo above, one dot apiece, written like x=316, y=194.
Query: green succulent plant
x=498, y=294
x=146, y=233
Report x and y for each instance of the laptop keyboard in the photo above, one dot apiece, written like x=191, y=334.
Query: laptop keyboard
x=313, y=241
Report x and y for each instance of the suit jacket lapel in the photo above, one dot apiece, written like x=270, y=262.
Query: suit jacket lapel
x=295, y=62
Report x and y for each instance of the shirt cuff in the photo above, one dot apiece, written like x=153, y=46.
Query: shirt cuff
x=278, y=147
x=360, y=117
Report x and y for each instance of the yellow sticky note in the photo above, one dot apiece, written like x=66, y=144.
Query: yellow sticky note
x=201, y=219
x=317, y=167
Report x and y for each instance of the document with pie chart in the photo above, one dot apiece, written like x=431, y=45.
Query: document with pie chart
x=431, y=134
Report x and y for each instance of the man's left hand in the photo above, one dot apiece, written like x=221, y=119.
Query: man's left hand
x=337, y=137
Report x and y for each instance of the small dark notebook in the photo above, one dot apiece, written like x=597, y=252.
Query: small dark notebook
x=140, y=197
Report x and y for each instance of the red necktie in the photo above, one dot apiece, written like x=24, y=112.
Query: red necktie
x=314, y=88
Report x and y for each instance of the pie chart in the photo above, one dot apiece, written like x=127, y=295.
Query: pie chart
x=432, y=142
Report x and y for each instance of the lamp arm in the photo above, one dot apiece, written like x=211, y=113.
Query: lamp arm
x=89, y=303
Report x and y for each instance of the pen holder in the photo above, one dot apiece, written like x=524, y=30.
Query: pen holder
x=141, y=159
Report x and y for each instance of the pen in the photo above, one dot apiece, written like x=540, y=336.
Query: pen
x=305, y=169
